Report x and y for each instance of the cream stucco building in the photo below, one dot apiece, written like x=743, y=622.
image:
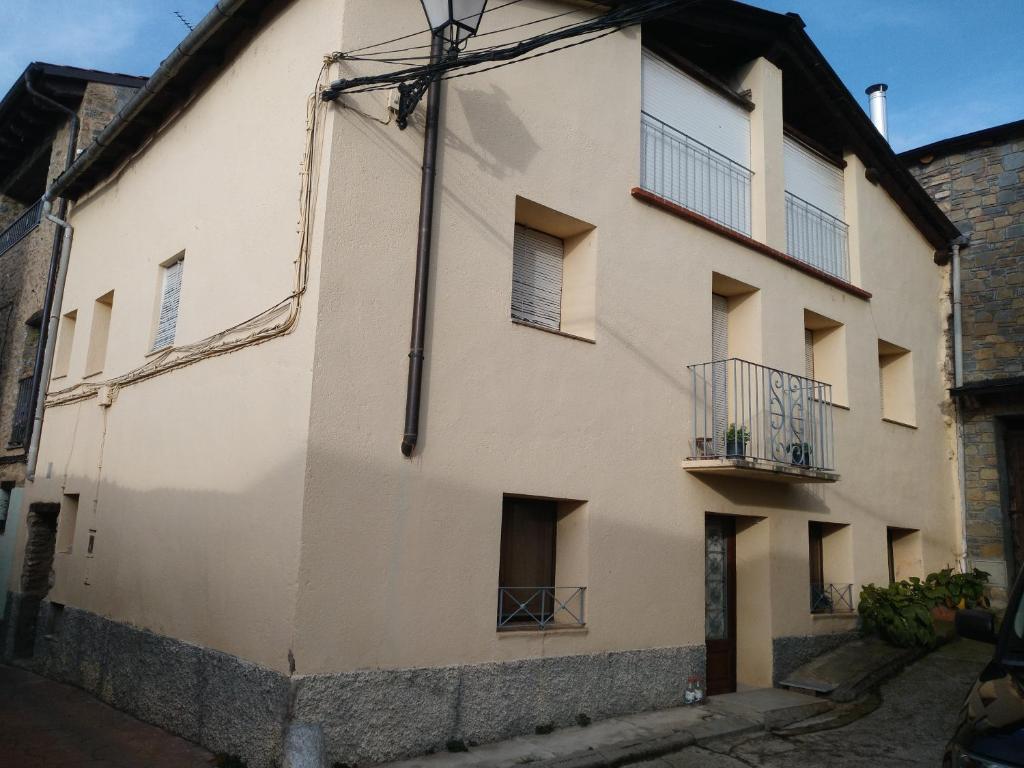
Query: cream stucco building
x=684, y=388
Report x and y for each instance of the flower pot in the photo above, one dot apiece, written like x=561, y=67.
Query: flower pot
x=800, y=454
x=735, y=448
x=944, y=613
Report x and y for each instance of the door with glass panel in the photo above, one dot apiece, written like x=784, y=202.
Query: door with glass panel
x=720, y=603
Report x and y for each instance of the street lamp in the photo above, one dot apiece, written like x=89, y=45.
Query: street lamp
x=452, y=22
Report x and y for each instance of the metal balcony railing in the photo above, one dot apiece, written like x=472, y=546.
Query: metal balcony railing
x=691, y=174
x=831, y=598
x=21, y=226
x=817, y=238
x=540, y=607
x=746, y=410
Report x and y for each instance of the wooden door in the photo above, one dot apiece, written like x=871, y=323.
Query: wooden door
x=720, y=603
x=527, y=569
x=1015, y=500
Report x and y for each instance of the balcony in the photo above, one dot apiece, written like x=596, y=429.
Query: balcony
x=540, y=607
x=831, y=598
x=21, y=227
x=817, y=238
x=753, y=421
x=681, y=169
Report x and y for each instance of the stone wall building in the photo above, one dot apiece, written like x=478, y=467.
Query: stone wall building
x=978, y=180
x=35, y=128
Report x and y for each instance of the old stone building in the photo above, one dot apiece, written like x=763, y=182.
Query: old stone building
x=36, y=133
x=978, y=181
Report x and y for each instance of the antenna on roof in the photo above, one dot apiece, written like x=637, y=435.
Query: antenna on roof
x=183, y=20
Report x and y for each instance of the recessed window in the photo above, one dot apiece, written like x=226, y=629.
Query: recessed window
x=543, y=559
x=904, y=551
x=831, y=567
x=825, y=354
x=553, y=271
x=170, y=296
x=5, y=505
x=65, y=340
x=67, y=519
x=896, y=383
x=96, y=355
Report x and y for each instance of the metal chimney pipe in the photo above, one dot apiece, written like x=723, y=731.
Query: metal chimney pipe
x=876, y=105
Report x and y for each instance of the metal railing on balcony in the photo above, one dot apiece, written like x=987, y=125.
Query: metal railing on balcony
x=817, y=238
x=831, y=598
x=746, y=410
x=21, y=226
x=691, y=174
x=542, y=607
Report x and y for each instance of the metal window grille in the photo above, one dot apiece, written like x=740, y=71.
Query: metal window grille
x=22, y=414
x=537, y=278
x=21, y=227
x=767, y=414
x=691, y=174
x=170, y=298
x=831, y=598
x=541, y=607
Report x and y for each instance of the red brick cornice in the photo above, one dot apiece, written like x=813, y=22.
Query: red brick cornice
x=702, y=221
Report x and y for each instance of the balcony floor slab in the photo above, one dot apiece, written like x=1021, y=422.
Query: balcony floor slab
x=759, y=469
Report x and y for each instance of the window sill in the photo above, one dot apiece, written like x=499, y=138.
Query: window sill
x=899, y=423
x=535, y=630
x=160, y=351
x=684, y=213
x=552, y=330
x=834, y=615
x=90, y=375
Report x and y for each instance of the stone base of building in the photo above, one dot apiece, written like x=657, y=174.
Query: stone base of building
x=236, y=707
x=791, y=653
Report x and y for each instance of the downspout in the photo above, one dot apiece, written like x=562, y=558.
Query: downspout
x=958, y=380
x=414, y=386
x=54, y=284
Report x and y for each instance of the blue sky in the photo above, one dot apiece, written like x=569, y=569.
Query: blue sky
x=952, y=66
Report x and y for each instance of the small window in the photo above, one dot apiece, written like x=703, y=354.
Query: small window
x=65, y=340
x=5, y=505
x=831, y=567
x=543, y=563
x=896, y=384
x=537, y=278
x=904, y=551
x=67, y=519
x=96, y=356
x=825, y=354
x=170, y=296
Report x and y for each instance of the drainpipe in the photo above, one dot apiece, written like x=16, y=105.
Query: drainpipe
x=958, y=380
x=414, y=386
x=54, y=282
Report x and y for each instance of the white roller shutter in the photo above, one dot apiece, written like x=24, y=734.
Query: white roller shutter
x=719, y=373
x=813, y=178
x=170, y=297
x=689, y=106
x=537, y=278
x=809, y=352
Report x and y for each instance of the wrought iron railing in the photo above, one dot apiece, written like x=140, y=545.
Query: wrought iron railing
x=21, y=226
x=540, y=607
x=691, y=174
x=743, y=409
x=831, y=598
x=816, y=237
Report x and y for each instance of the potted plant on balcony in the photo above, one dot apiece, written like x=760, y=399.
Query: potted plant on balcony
x=800, y=453
x=736, y=439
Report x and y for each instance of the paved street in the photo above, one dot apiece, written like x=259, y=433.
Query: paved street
x=49, y=725
x=909, y=728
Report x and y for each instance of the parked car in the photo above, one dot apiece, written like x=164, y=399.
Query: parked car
x=991, y=729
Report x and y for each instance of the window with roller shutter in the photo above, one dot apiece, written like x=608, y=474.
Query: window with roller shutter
x=537, y=278
x=169, y=300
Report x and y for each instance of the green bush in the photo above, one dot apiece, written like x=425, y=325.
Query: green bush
x=901, y=613
x=898, y=613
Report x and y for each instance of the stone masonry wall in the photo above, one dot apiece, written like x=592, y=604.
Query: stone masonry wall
x=982, y=192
